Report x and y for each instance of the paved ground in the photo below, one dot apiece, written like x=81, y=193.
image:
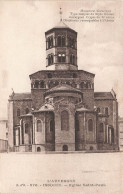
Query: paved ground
x=85, y=173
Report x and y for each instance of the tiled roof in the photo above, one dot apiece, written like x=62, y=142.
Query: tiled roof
x=61, y=24
x=60, y=71
x=63, y=88
x=82, y=109
x=26, y=115
x=20, y=96
x=103, y=95
x=46, y=107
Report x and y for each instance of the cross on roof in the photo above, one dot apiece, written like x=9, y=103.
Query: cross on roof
x=60, y=14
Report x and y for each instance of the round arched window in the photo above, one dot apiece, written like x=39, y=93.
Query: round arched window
x=18, y=112
x=26, y=128
x=90, y=125
x=101, y=127
x=64, y=120
x=39, y=126
x=27, y=110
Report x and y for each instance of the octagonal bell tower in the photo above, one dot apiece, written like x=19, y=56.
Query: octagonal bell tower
x=61, y=48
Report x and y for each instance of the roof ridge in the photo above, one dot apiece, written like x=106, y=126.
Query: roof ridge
x=50, y=71
x=102, y=92
x=22, y=93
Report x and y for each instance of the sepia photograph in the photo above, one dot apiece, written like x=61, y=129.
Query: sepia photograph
x=61, y=97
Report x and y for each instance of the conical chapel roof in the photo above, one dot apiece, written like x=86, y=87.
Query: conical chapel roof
x=63, y=88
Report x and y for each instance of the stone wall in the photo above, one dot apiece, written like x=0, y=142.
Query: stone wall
x=39, y=136
x=22, y=105
x=111, y=119
x=37, y=98
x=64, y=137
x=84, y=136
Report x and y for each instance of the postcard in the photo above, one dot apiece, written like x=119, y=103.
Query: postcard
x=61, y=107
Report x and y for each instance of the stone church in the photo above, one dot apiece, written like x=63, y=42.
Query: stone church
x=62, y=112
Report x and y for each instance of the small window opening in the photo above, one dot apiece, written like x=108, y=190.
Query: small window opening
x=38, y=149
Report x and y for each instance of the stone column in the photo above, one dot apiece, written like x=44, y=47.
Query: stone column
x=104, y=132
x=107, y=132
x=85, y=133
x=20, y=131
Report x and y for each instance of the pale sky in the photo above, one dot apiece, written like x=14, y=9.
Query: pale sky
x=22, y=44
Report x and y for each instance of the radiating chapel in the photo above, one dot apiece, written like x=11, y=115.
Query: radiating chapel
x=62, y=112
